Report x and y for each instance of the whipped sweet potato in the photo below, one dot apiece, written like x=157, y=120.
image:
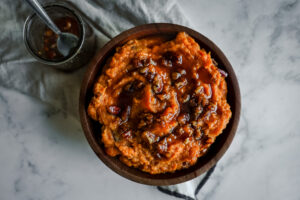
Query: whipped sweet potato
x=161, y=103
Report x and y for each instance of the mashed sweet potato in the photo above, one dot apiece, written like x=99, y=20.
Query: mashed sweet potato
x=161, y=103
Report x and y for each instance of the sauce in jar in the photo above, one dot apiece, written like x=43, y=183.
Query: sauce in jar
x=65, y=24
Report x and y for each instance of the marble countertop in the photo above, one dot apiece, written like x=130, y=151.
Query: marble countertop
x=44, y=154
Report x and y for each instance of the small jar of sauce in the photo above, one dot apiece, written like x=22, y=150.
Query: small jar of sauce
x=41, y=41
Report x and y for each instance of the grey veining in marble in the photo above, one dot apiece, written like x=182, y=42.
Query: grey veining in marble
x=262, y=41
x=44, y=155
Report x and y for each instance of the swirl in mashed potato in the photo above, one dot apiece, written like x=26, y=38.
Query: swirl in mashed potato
x=161, y=103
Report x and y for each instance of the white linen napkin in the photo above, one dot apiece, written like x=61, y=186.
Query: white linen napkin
x=21, y=72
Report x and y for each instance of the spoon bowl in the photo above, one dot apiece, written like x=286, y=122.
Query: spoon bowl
x=66, y=43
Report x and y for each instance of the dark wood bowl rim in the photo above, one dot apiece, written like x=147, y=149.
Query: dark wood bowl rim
x=93, y=72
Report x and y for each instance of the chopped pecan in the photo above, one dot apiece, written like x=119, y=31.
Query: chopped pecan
x=175, y=75
x=149, y=137
x=125, y=114
x=222, y=72
x=144, y=70
x=157, y=84
x=127, y=134
x=114, y=110
x=199, y=90
x=186, y=98
x=181, y=83
x=170, y=58
x=183, y=118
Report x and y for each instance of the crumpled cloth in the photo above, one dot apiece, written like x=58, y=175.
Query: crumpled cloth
x=21, y=72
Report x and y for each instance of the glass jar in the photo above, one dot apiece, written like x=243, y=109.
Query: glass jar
x=35, y=36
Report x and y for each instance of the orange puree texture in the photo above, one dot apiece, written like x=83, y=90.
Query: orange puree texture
x=161, y=103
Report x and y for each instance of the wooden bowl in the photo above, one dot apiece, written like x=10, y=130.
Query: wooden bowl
x=92, y=129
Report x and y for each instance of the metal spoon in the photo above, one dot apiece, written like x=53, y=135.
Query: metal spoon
x=66, y=42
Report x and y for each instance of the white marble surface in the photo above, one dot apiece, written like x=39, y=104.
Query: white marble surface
x=44, y=155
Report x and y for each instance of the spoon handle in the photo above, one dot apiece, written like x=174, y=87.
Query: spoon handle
x=39, y=10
